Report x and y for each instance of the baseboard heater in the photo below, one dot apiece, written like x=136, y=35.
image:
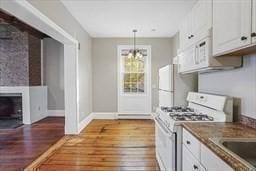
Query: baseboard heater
x=134, y=116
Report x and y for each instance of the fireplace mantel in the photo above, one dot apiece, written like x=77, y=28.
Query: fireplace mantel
x=34, y=101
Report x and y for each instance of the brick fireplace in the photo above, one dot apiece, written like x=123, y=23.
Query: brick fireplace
x=22, y=95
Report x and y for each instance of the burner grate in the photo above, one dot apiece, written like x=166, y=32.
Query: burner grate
x=190, y=116
x=177, y=109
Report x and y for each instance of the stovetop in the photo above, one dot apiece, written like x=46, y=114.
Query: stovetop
x=190, y=116
x=177, y=109
x=185, y=114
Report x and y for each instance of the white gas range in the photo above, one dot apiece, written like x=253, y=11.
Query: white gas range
x=201, y=108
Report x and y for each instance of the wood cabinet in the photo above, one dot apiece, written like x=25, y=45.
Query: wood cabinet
x=253, y=35
x=196, y=23
x=231, y=25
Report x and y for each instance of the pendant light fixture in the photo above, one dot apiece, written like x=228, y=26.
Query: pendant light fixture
x=135, y=53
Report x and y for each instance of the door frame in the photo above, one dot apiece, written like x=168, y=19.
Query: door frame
x=148, y=88
x=26, y=12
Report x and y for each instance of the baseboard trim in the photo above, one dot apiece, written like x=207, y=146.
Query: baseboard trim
x=85, y=122
x=134, y=116
x=108, y=115
x=60, y=113
x=104, y=115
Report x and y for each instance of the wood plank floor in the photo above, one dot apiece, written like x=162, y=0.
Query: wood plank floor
x=104, y=145
x=20, y=146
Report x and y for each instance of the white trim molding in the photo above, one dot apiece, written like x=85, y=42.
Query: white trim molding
x=143, y=102
x=60, y=113
x=29, y=14
x=134, y=116
x=105, y=115
x=82, y=124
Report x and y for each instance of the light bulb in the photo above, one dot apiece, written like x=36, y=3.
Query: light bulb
x=129, y=55
x=138, y=54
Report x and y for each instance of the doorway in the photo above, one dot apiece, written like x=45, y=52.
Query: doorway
x=24, y=11
x=134, y=83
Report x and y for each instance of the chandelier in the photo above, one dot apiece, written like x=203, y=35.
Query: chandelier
x=135, y=53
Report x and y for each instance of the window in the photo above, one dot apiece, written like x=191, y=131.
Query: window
x=133, y=70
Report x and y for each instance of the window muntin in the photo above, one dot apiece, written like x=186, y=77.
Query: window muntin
x=133, y=73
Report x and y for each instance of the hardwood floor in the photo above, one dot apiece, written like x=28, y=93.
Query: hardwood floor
x=20, y=146
x=104, y=145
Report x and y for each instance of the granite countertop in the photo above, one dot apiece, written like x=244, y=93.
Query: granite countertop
x=204, y=132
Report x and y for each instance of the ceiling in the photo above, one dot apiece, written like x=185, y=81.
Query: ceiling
x=117, y=18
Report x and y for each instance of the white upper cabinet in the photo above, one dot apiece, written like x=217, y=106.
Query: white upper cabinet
x=184, y=33
x=187, y=60
x=231, y=25
x=196, y=23
x=196, y=38
x=201, y=19
x=253, y=35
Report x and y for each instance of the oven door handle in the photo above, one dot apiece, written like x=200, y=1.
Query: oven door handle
x=163, y=129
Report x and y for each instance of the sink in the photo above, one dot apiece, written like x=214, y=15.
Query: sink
x=244, y=149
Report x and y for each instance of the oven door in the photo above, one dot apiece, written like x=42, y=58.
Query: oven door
x=165, y=146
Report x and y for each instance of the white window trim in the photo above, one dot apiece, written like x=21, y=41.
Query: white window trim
x=149, y=87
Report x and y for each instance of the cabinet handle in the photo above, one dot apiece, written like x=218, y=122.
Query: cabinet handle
x=195, y=167
x=253, y=34
x=243, y=38
x=191, y=36
x=188, y=142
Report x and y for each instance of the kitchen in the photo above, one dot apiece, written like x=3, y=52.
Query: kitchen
x=213, y=40
x=196, y=88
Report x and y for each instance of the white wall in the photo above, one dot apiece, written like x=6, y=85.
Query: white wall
x=57, y=12
x=53, y=73
x=104, y=52
x=238, y=83
x=38, y=106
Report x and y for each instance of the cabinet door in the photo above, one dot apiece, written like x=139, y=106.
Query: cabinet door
x=254, y=21
x=231, y=25
x=202, y=18
x=184, y=34
x=189, y=163
x=187, y=60
x=211, y=162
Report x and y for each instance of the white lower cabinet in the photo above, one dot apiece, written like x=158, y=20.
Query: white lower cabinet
x=189, y=162
x=211, y=161
x=197, y=157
